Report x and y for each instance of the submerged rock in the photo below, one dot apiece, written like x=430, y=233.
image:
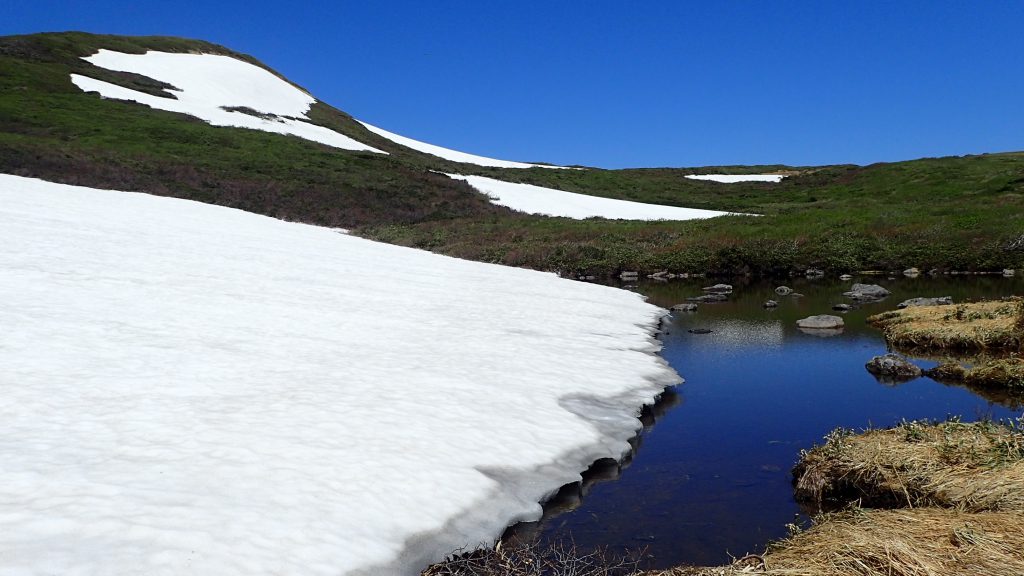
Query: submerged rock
x=783, y=290
x=821, y=322
x=842, y=307
x=770, y=304
x=712, y=297
x=685, y=307
x=718, y=288
x=893, y=367
x=866, y=292
x=940, y=301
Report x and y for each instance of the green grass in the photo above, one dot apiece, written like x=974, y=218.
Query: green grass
x=950, y=213
x=953, y=213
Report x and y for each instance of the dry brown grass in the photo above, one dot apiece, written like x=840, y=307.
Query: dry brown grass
x=977, y=326
x=1007, y=372
x=970, y=467
x=920, y=542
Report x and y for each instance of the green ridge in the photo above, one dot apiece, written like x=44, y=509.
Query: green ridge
x=964, y=213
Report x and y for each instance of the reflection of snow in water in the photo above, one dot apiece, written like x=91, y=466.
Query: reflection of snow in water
x=735, y=332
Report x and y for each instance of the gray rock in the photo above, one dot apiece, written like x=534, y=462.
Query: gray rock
x=685, y=307
x=796, y=295
x=845, y=277
x=911, y=272
x=892, y=367
x=770, y=304
x=718, y=288
x=1007, y=272
x=842, y=307
x=940, y=301
x=783, y=290
x=821, y=322
x=629, y=275
x=712, y=297
x=814, y=273
x=866, y=292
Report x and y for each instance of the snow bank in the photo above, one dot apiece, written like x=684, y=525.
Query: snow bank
x=453, y=155
x=191, y=389
x=551, y=202
x=207, y=83
x=732, y=178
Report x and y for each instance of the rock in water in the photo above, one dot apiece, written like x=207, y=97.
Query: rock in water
x=685, y=307
x=866, y=292
x=712, y=297
x=821, y=322
x=783, y=290
x=911, y=272
x=940, y=301
x=718, y=288
x=699, y=331
x=845, y=277
x=892, y=367
x=771, y=304
x=842, y=307
x=814, y=273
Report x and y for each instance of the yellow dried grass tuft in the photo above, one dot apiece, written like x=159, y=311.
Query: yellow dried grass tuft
x=971, y=467
x=919, y=542
x=977, y=326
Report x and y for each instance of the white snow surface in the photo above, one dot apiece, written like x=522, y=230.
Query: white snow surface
x=191, y=389
x=733, y=178
x=453, y=155
x=208, y=82
x=551, y=202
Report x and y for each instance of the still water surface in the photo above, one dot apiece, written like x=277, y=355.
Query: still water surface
x=711, y=473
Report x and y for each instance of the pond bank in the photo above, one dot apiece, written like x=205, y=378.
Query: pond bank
x=710, y=480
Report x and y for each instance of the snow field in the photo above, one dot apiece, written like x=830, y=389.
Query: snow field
x=550, y=202
x=733, y=178
x=207, y=82
x=453, y=155
x=194, y=389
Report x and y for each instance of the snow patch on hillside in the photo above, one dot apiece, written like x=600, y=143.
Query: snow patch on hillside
x=453, y=155
x=192, y=389
x=733, y=178
x=208, y=83
x=551, y=202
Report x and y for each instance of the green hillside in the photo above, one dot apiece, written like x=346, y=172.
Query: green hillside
x=952, y=213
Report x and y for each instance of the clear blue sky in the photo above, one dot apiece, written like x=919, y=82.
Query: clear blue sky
x=621, y=83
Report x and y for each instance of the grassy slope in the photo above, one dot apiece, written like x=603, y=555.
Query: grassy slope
x=51, y=129
x=949, y=212
x=960, y=213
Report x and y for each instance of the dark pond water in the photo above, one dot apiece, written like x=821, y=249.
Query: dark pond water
x=711, y=473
